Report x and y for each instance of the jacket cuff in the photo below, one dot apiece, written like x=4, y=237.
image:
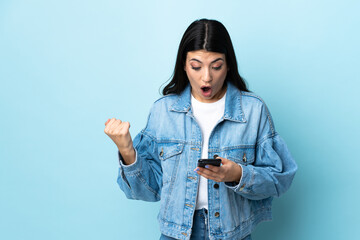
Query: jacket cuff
x=244, y=180
x=131, y=168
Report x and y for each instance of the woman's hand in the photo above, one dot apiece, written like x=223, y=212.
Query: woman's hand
x=229, y=171
x=118, y=131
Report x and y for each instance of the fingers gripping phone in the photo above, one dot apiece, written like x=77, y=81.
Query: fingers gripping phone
x=214, y=162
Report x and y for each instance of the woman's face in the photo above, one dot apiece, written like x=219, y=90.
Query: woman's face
x=206, y=72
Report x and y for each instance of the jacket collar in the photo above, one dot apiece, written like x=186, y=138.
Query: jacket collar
x=233, y=108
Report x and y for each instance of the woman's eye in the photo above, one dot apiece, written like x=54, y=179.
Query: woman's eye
x=217, y=68
x=196, y=68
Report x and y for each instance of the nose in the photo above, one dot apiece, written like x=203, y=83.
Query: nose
x=207, y=76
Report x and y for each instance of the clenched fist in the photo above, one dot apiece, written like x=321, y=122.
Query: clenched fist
x=118, y=131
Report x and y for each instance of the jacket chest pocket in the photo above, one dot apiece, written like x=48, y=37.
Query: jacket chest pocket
x=169, y=150
x=244, y=156
x=169, y=155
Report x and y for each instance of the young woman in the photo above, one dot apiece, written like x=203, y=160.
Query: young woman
x=206, y=112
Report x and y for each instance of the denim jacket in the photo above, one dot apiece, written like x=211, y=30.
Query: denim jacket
x=169, y=147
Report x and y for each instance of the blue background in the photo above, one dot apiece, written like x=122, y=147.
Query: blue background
x=67, y=66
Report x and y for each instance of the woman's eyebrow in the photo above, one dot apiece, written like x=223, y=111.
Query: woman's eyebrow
x=194, y=59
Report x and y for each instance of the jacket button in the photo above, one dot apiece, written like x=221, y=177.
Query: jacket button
x=161, y=153
x=217, y=214
x=216, y=186
x=215, y=156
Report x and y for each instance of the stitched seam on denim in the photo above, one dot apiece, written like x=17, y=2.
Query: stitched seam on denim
x=123, y=177
x=266, y=108
x=171, y=187
x=159, y=141
x=252, y=180
x=146, y=185
x=241, y=107
x=172, y=223
x=252, y=95
x=152, y=138
x=235, y=147
x=256, y=213
x=269, y=119
x=266, y=137
x=144, y=132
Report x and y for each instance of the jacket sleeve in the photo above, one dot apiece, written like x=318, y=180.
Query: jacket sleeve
x=142, y=180
x=274, y=168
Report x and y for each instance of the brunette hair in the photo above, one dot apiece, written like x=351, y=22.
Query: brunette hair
x=209, y=35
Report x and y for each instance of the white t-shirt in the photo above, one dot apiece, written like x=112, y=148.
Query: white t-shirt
x=206, y=115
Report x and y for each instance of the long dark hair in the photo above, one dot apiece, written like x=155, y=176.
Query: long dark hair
x=209, y=35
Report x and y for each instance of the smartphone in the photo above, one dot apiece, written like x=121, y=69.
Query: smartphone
x=214, y=162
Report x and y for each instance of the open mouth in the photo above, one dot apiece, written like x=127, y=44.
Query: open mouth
x=206, y=91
